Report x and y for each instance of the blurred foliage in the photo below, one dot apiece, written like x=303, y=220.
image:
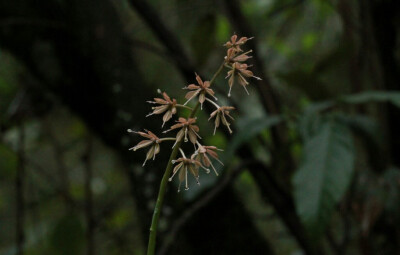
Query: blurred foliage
x=321, y=176
x=329, y=162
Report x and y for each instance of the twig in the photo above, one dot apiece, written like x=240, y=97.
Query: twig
x=332, y=242
x=346, y=211
x=150, y=48
x=200, y=203
x=283, y=205
x=59, y=157
x=163, y=33
x=59, y=191
x=19, y=183
x=90, y=249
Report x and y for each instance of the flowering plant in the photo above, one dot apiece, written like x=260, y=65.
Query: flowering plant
x=203, y=155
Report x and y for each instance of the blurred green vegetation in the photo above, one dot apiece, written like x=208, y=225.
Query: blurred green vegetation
x=311, y=168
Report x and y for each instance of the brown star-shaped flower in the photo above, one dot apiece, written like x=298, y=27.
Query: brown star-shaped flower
x=202, y=89
x=165, y=105
x=202, y=154
x=220, y=116
x=235, y=44
x=187, y=128
x=152, y=140
x=238, y=72
x=232, y=56
x=184, y=165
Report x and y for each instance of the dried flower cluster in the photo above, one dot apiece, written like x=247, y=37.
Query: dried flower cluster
x=186, y=128
x=234, y=61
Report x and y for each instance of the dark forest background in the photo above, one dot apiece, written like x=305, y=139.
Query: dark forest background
x=311, y=168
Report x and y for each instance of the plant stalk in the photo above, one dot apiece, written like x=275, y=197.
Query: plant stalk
x=164, y=181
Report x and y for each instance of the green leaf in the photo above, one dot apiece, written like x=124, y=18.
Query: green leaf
x=309, y=123
x=373, y=96
x=250, y=130
x=370, y=133
x=359, y=98
x=324, y=175
x=391, y=179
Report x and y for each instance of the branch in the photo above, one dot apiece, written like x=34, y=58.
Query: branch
x=19, y=183
x=200, y=203
x=150, y=48
x=166, y=37
x=89, y=197
x=283, y=205
x=59, y=157
x=59, y=191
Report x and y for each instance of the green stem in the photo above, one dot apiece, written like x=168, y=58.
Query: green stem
x=168, y=139
x=217, y=73
x=160, y=199
x=184, y=106
x=163, y=186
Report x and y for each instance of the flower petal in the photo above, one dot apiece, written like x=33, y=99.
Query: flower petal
x=199, y=80
x=191, y=94
x=192, y=87
x=217, y=121
x=142, y=144
x=150, y=153
x=241, y=58
x=194, y=171
x=212, y=154
x=167, y=98
x=157, y=149
x=179, y=125
x=160, y=109
x=160, y=101
x=247, y=73
x=176, y=169
x=202, y=98
x=182, y=174
x=167, y=116
x=180, y=134
x=192, y=136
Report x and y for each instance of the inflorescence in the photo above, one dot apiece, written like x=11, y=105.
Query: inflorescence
x=187, y=129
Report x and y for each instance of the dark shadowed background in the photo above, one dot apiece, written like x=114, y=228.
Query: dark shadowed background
x=311, y=167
